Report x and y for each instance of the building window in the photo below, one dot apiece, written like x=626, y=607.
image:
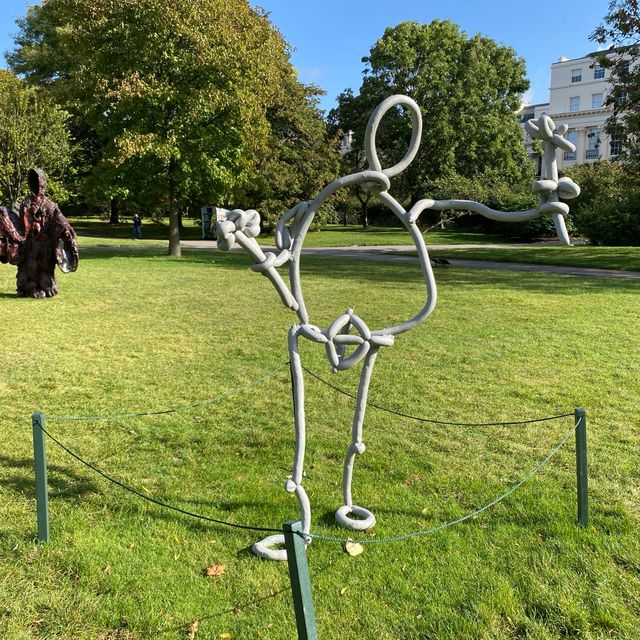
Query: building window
x=574, y=104
x=576, y=75
x=622, y=97
x=616, y=143
x=593, y=144
x=598, y=73
x=597, y=100
x=572, y=136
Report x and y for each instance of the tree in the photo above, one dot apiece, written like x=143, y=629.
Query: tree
x=177, y=91
x=468, y=89
x=621, y=29
x=351, y=112
x=299, y=159
x=33, y=133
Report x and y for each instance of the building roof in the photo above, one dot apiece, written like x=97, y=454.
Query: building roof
x=593, y=54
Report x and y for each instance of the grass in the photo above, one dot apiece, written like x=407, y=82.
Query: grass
x=100, y=228
x=332, y=236
x=624, y=258
x=354, y=235
x=139, y=331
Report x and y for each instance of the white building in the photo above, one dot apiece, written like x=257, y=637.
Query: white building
x=577, y=97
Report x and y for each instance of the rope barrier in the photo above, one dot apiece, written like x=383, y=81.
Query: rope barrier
x=424, y=532
x=201, y=403
x=441, y=422
x=313, y=536
x=154, y=500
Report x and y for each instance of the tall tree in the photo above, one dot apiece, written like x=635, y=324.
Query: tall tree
x=468, y=89
x=178, y=91
x=33, y=133
x=620, y=29
x=300, y=158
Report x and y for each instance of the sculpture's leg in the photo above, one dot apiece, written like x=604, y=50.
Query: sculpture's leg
x=363, y=519
x=47, y=285
x=26, y=278
x=265, y=548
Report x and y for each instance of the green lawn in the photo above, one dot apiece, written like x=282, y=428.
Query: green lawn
x=340, y=236
x=332, y=236
x=140, y=331
x=100, y=228
x=625, y=258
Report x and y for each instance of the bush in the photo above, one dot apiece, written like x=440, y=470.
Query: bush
x=608, y=208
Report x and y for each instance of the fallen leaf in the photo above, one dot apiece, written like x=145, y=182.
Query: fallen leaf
x=344, y=590
x=425, y=512
x=214, y=570
x=192, y=630
x=107, y=569
x=227, y=636
x=353, y=548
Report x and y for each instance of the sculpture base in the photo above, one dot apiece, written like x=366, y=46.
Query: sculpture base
x=364, y=520
x=264, y=548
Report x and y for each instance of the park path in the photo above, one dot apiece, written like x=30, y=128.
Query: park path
x=397, y=254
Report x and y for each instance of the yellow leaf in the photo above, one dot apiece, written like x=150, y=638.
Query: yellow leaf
x=353, y=548
x=227, y=636
x=344, y=590
x=192, y=630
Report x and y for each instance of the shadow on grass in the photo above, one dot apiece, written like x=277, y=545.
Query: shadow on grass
x=243, y=606
x=63, y=483
x=372, y=273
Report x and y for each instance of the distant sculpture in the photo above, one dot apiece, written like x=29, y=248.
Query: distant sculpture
x=36, y=239
x=348, y=340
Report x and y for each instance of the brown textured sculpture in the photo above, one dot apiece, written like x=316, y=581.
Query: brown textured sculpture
x=36, y=239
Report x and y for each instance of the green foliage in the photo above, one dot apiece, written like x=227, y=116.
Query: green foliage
x=299, y=159
x=33, y=133
x=181, y=94
x=608, y=209
x=468, y=89
x=621, y=28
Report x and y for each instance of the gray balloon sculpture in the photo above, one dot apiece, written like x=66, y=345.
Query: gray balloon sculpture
x=242, y=228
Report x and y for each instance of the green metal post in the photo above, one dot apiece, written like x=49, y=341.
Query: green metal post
x=581, y=467
x=42, y=489
x=300, y=582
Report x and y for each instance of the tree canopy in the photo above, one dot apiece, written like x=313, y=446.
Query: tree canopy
x=33, y=133
x=620, y=29
x=180, y=94
x=468, y=89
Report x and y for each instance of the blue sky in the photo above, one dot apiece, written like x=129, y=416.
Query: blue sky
x=331, y=36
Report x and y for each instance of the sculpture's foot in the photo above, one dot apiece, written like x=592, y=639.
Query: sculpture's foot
x=38, y=292
x=265, y=548
x=355, y=517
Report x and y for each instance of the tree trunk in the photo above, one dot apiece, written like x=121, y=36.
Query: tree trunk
x=114, y=216
x=174, y=222
x=364, y=208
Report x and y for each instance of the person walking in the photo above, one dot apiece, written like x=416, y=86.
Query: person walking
x=137, y=227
